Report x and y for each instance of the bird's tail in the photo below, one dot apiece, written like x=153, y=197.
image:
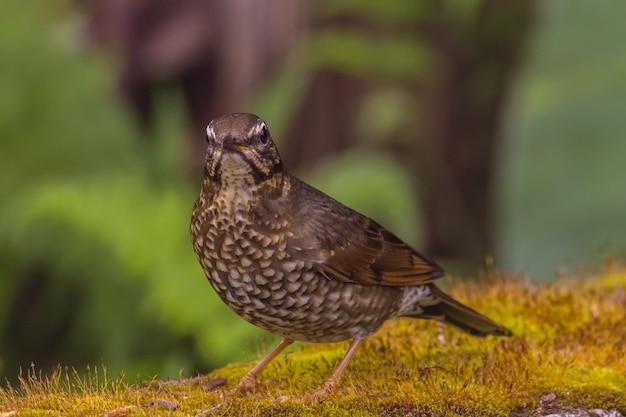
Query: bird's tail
x=450, y=311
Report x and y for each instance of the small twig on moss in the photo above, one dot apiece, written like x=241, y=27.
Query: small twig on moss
x=170, y=405
x=213, y=384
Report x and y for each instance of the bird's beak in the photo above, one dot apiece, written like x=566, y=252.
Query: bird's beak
x=230, y=144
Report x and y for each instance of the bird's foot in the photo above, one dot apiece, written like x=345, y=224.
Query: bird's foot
x=323, y=392
x=245, y=385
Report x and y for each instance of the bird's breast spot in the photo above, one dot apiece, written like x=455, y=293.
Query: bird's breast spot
x=307, y=276
x=243, y=291
x=302, y=300
x=258, y=304
x=268, y=272
x=210, y=243
x=256, y=255
x=289, y=302
x=235, y=283
x=260, y=280
x=216, y=276
x=312, y=317
x=293, y=287
x=280, y=293
x=275, y=285
x=247, y=279
x=333, y=296
x=221, y=266
x=295, y=277
x=289, y=266
x=316, y=301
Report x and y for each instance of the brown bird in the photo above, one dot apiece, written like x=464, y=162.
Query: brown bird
x=295, y=262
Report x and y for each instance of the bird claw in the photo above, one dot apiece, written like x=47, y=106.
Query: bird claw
x=322, y=393
x=245, y=385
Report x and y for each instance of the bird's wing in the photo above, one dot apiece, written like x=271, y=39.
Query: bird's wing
x=357, y=249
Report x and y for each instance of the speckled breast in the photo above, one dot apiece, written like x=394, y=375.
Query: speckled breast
x=256, y=276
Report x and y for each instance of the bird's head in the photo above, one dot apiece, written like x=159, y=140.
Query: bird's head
x=240, y=144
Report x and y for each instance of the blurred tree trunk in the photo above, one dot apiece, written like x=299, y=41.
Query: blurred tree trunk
x=324, y=123
x=462, y=111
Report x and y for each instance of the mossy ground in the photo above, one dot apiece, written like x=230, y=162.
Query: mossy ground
x=569, y=348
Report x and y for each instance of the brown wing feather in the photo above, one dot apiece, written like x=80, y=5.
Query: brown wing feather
x=358, y=249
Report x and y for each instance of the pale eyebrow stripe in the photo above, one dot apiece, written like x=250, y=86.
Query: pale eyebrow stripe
x=209, y=130
x=257, y=128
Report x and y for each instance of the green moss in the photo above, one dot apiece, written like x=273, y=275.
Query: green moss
x=570, y=341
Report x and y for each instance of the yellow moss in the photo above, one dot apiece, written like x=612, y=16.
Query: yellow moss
x=570, y=340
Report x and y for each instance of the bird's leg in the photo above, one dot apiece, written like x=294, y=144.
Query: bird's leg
x=249, y=380
x=331, y=383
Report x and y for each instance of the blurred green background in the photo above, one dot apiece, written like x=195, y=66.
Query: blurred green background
x=95, y=260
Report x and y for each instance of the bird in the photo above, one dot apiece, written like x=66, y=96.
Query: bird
x=299, y=264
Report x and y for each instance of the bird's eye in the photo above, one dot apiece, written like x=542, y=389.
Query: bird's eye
x=264, y=135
